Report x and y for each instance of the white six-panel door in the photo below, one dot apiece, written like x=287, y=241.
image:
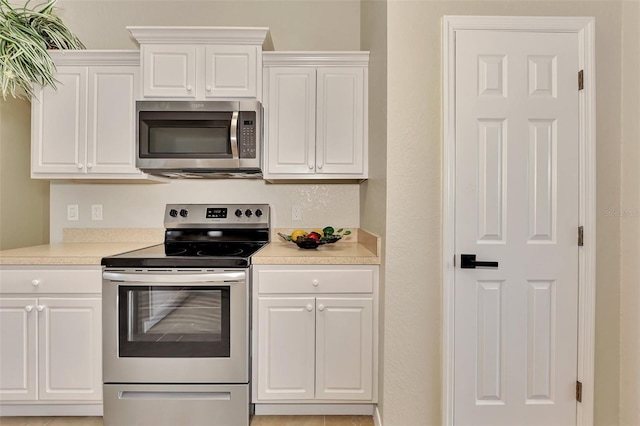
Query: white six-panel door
x=516, y=203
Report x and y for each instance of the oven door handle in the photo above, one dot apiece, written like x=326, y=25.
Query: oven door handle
x=175, y=278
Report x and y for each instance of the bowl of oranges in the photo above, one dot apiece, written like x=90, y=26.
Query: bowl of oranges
x=315, y=238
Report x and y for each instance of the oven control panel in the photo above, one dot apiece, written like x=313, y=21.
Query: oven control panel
x=231, y=215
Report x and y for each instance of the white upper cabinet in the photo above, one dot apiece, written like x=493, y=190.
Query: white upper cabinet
x=169, y=71
x=201, y=63
x=316, y=115
x=86, y=128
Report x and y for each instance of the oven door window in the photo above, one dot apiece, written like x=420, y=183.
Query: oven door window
x=173, y=321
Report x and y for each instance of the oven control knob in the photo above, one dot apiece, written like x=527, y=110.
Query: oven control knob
x=238, y=212
x=184, y=212
x=173, y=213
x=248, y=213
x=258, y=213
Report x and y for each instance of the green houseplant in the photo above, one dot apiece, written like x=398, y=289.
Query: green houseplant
x=25, y=35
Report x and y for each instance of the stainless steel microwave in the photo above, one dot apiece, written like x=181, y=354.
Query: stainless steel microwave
x=185, y=139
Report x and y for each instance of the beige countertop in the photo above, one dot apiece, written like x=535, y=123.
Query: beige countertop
x=340, y=253
x=66, y=253
x=88, y=247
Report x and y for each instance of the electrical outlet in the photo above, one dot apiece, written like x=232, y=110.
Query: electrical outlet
x=72, y=212
x=96, y=211
x=296, y=212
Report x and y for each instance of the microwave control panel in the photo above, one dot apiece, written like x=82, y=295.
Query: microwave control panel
x=247, y=134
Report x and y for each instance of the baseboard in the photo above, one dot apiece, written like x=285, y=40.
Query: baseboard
x=50, y=410
x=314, y=409
x=377, y=420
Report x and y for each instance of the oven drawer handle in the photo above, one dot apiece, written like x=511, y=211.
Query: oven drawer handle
x=175, y=278
x=151, y=395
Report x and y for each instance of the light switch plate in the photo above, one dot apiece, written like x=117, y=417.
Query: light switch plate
x=72, y=212
x=296, y=212
x=96, y=211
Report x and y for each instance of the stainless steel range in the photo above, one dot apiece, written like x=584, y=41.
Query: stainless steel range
x=176, y=320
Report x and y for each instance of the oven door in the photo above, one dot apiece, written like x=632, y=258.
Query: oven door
x=187, y=326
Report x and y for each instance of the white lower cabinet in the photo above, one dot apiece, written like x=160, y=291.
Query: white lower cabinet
x=50, y=336
x=316, y=334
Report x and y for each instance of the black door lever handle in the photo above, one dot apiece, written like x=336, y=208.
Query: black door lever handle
x=468, y=261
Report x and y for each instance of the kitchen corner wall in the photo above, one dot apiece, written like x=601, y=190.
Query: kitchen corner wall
x=373, y=193
x=294, y=25
x=24, y=203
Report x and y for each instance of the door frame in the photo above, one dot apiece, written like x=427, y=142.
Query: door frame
x=584, y=27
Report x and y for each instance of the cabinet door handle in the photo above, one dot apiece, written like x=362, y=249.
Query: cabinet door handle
x=89, y=165
x=208, y=88
x=321, y=308
x=35, y=283
x=309, y=308
x=315, y=283
x=310, y=166
x=320, y=166
x=189, y=88
x=28, y=308
x=80, y=166
x=40, y=308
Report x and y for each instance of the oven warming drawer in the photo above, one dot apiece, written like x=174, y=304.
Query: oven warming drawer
x=172, y=405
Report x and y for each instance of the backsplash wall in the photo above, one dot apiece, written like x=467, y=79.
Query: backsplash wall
x=142, y=205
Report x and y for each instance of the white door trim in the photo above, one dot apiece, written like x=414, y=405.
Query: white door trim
x=584, y=27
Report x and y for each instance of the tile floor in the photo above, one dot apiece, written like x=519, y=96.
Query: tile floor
x=256, y=421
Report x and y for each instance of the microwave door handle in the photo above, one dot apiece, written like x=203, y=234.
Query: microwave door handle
x=233, y=137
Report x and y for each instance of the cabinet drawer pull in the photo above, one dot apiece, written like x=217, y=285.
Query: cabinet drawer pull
x=35, y=283
x=40, y=308
x=315, y=283
x=309, y=308
x=321, y=308
x=28, y=308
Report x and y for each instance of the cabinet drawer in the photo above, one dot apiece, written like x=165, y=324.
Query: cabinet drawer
x=43, y=281
x=316, y=281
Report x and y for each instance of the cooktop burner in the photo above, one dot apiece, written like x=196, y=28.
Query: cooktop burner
x=212, y=249
x=203, y=236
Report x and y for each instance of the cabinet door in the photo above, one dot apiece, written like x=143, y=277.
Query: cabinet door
x=286, y=330
x=58, y=124
x=18, y=349
x=230, y=71
x=70, y=354
x=344, y=345
x=169, y=71
x=113, y=91
x=340, y=126
x=291, y=116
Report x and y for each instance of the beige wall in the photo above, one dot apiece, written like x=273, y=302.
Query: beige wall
x=629, y=216
x=413, y=323
x=24, y=203
x=373, y=192
x=294, y=24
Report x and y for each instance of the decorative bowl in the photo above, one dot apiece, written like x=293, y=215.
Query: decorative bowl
x=312, y=243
